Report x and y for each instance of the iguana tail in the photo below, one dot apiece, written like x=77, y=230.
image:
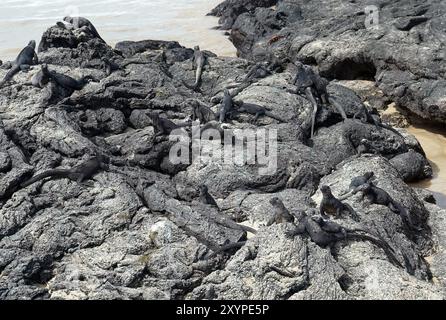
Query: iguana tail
x=406, y=216
x=353, y=213
x=379, y=243
x=194, y=87
x=50, y=173
x=11, y=73
x=269, y=114
x=338, y=107
x=228, y=247
x=198, y=76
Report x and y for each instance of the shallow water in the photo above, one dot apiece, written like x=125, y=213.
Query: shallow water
x=116, y=20
x=433, y=141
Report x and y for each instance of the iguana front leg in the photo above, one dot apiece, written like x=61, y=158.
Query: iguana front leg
x=256, y=117
x=25, y=67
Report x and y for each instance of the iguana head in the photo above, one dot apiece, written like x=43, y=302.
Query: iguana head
x=275, y=201
x=32, y=44
x=368, y=175
x=44, y=68
x=203, y=188
x=326, y=190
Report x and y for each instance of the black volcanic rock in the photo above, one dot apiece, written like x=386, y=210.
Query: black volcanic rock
x=404, y=53
x=138, y=230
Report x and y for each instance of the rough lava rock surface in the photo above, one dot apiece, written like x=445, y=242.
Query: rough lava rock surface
x=404, y=52
x=137, y=229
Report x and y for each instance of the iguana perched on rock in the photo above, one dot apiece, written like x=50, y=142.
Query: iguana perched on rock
x=326, y=233
x=373, y=117
x=280, y=213
x=68, y=82
x=164, y=126
x=205, y=197
x=257, y=111
x=314, y=87
x=379, y=196
x=81, y=22
x=79, y=173
x=331, y=205
x=198, y=61
x=227, y=106
x=202, y=113
x=357, y=182
x=26, y=58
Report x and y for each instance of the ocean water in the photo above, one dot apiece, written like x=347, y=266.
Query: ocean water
x=116, y=20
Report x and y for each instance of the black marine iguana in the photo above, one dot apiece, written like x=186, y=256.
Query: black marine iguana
x=202, y=113
x=379, y=196
x=66, y=81
x=78, y=173
x=198, y=62
x=257, y=71
x=227, y=106
x=326, y=233
x=280, y=214
x=330, y=204
x=24, y=60
x=164, y=126
x=314, y=87
x=373, y=117
x=41, y=78
x=80, y=22
x=357, y=182
x=256, y=110
x=205, y=197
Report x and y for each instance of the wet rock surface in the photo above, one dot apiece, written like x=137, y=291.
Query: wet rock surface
x=401, y=47
x=136, y=228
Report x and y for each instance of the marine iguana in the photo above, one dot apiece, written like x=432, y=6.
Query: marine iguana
x=198, y=62
x=41, y=78
x=68, y=82
x=379, y=196
x=280, y=213
x=205, y=197
x=79, y=22
x=108, y=66
x=357, y=182
x=227, y=106
x=257, y=111
x=326, y=233
x=164, y=126
x=78, y=173
x=257, y=71
x=331, y=205
x=202, y=113
x=226, y=247
x=373, y=117
x=314, y=87
x=24, y=60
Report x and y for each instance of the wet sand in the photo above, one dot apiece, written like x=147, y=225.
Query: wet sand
x=116, y=20
x=433, y=141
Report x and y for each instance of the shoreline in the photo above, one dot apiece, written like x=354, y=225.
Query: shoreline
x=186, y=23
x=92, y=188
